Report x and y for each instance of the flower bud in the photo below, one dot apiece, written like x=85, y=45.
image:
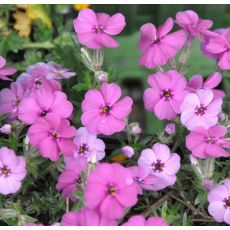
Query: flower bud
x=101, y=76
x=128, y=151
x=170, y=128
x=6, y=129
x=134, y=128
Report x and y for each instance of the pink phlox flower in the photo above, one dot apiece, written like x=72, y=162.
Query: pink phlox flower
x=196, y=82
x=160, y=163
x=103, y=110
x=166, y=94
x=157, y=45
x=10, y=99
x=210, y=142
x=12, y=171
x=219, y=202
x=200, y=109
x=53, y=136
x=111, y=190
x=95, y=30
x=42, y=102
x=58, y=72
x=191, y=23
x=6, y=71
x=139, y=220
x=70, y=178
x=86, y=217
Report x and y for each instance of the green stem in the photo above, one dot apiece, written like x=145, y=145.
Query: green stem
x=38, y=45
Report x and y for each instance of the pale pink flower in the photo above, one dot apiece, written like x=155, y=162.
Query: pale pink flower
x=219, y=202
x=103, y=112
x=10, y=99
x=42, y=102
x=128, y=151
x=142, y=179
x=157, y=45
x=12, y=171
x=191, y=23
x=210, y=142
x=95, y=30
x=166, y=94
x=53, y=136
x=217, y=46
x=196, y=82
x=70, y=178
x=110, y=189
x=88, y=146
x=35, y=78
x=161, y=163
x=86, y=217
x=5, y=71
x=139, y=220
x=58, y=72
x=200, y=109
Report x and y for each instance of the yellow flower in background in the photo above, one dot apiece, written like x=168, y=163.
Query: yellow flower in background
x=81, y=6
x=38, y=11
x=32, y=12
x=23, y=23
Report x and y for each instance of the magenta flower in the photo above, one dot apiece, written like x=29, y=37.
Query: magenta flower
x=128, y=151
x=88, y=146
x=166, y=94
x=58, y=72
x=161, y=163
x=86, y=217
x=12, y=171
x=157, y=45
x=10, y=99
x=217, y=46
x=95, y=30
x=210, y=142
x=110, y=189
x=196, y=82
x=42, y=102
x=35, y=78
x=219, y=202
x=71, y=177
x=200, y=109
x=139, y=220
x=191, y=23
x=6, y=71
x=142, y=179
x=52, y=136
x=170, y=128
x=103, y=112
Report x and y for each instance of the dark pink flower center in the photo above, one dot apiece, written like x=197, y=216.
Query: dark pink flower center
x=5, y=171
x=106, y=110
x=79, y=180
x=166, y=94
x=54, y=134
x=200, y=110
x=210, y=140
x=227, y=202
x=83, y=148
x=98, y=29
x=43, y=113
x=156, y=40
x=38, y=82
x=17, y=101
x=158, y=166
x=112, y=190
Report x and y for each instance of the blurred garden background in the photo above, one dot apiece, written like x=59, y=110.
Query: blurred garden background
x=33, y=33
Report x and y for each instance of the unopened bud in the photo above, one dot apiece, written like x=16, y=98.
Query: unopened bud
x=6, y=129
